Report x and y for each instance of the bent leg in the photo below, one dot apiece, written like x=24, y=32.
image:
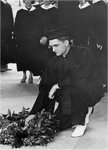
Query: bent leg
x=73, y=107
x=43, y=102
x=65, y=119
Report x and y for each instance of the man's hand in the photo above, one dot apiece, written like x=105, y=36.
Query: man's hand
x=53, y=90
x=99, y=46
x=28, y=119
x=43, y=40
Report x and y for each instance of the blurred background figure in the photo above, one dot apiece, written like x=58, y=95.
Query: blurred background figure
x=67, y=14
x=6, y=35
x=24, y=41
x=19, y=2
x=82, y=23
x=32, y=53
x=99, y=37
x=47, y=19
x=49, y=14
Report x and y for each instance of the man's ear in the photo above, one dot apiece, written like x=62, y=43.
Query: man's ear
x=66, y=42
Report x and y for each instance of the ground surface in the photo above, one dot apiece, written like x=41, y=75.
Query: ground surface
x=14, y=95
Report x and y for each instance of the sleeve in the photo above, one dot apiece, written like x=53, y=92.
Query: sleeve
x=49, y=77
x=79, y=72
x=66, y=82
x=10, y=17
x=17, y=24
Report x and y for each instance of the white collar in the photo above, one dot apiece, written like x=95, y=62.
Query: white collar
x=95, y=1
x=36, y=3
x=84, y=6
x=49, y=6
x=3, y=1
x=32, y=8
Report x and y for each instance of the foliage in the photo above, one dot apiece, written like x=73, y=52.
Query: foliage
x=39, y=131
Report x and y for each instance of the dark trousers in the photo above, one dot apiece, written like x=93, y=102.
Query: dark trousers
x=43, y=102
x=72, y=108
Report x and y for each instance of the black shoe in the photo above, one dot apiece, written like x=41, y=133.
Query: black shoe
x=2, y=70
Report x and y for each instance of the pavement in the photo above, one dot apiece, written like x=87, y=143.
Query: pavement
x=14, y=95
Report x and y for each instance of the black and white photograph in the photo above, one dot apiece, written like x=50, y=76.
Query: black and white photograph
x=53, y=74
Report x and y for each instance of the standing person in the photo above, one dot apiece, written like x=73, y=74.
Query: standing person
x=26, y=41
x=30, y=27
x=48, y=13
x=47, y=18
x=6, y=35
x=72, y=80
x=23, y=36
x=67, y=14
x=83, y=23
x=99, y=38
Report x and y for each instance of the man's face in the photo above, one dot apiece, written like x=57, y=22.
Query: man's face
x=58, y=47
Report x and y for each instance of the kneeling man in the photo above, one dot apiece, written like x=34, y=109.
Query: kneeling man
x=71, y=79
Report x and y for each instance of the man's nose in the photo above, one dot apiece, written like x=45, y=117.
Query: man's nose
x=54, y=49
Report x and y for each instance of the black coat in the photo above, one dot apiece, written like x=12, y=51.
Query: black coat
x=48, y=19
x=82, y=25
x=6, y=33
x=77, y=77
x=99, y=27
x=29, y=28
x=67, y=14
x=99, y=37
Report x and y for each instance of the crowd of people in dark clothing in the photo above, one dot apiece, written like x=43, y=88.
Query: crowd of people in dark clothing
x=26, y=43
x=21, y=41
x=7, y=24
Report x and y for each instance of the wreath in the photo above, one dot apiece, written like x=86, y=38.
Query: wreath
x=40, y=130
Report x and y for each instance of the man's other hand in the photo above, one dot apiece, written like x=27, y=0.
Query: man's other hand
x=53, y=90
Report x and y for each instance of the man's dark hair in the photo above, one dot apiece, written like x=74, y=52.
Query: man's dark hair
x=66, y=38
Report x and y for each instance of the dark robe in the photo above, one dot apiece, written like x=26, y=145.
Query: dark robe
x=27, y=38
x=80, y=86
x=6, y=33
x=67, y=14
x=49, y=18
x=30, y=26
x=99, y=36
x=99, y=27
x=82, y=25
